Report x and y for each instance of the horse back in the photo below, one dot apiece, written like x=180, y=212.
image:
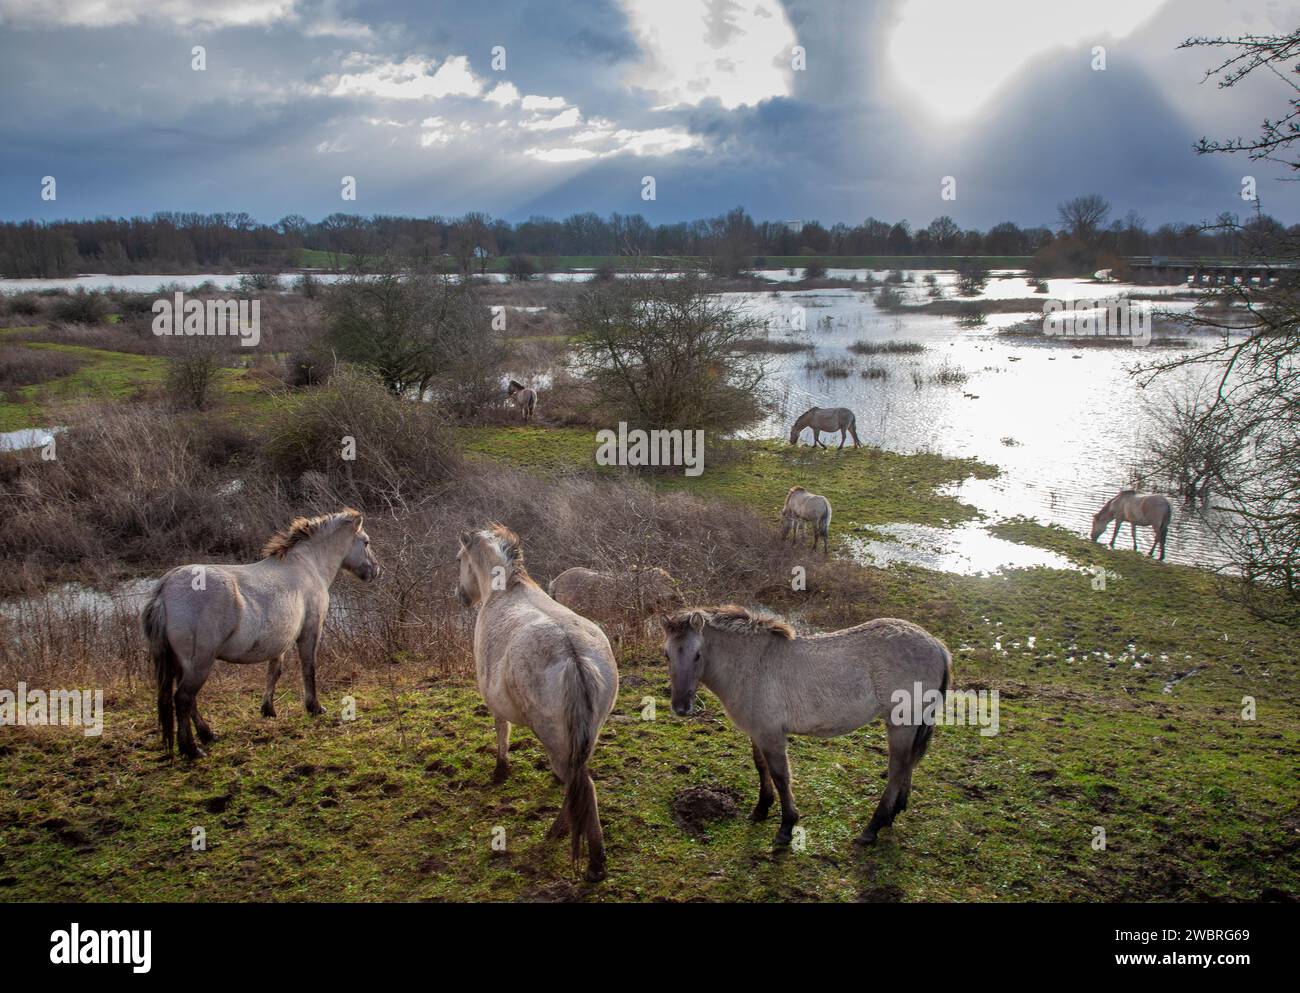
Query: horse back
x=240, y=613
x=525, y=644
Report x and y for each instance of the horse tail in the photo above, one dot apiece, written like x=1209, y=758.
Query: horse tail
x=532, y=402
x=853, y=427
x=926, y=731
x=580, y=684
x=164, y=663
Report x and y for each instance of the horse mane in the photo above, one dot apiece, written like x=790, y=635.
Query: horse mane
x=797, y=489
x=733, y=619
x=304, y=529
x=507, y=545
x=516, y=386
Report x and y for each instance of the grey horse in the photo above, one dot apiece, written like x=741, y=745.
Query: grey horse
x=773, y=684
x=1128, y=506
x=540, y=665
x=246, y=614
x=830, y=419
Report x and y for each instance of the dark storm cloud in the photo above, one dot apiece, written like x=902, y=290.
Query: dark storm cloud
x=311, y=92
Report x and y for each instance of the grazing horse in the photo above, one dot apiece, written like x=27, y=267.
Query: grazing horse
x=599, y=595
x=829, y=419
x=803, y=507
x=773, y=683
x=540, y=665
x=523, y=398
x=1128, y=506
x=249, y=613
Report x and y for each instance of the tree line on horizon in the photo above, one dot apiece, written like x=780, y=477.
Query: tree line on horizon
x=733, y=242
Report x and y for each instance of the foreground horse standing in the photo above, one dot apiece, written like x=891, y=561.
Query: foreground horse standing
x=1128, y=506
x=523, y=398
x=773, y=684
x=803, y=507
x=540, y=665
x=249, y=613
x=829, y=419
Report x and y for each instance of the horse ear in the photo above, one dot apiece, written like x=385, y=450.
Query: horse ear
x=697, y=620
x=465, y=537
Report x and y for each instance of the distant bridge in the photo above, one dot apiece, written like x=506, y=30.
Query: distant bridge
x=1200, y=272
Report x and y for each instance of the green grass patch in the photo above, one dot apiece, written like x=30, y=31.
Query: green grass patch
x=398, y=805
x=866, y=485
x=111, y=375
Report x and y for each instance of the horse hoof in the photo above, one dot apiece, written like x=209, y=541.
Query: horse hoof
x=865, y=840
x=500, y=773
x=196, y=753
x=782, y=839
x=759, y=814
x=317, y=710
x=595, y=874
x=268, y=710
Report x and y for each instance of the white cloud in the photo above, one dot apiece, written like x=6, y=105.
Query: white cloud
x=503, y=95
x=601, y=141
x=567, y=119
x=411, y=79
x=534, y=102
x=696, y=49
x=561, y=154
x=109, y=13
x=658, y=141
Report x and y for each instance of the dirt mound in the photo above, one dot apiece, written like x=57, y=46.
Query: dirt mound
x=696, y=806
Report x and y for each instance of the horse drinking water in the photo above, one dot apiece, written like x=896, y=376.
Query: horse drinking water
x=829, y=419
x=1128, y=506
x=540, y=665
x=249, y=613
x=773, y=683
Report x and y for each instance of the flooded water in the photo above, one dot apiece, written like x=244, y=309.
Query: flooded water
x=967, y=550
x=1064, y=424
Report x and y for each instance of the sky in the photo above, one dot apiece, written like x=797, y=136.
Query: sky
x=834, y=110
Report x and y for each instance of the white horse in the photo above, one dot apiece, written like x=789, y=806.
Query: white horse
x=540, y=665
x=249, y=613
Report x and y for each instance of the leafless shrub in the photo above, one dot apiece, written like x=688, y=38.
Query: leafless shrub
x=21, y=366
x=373, y=448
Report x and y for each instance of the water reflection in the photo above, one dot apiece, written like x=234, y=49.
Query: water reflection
x=1065, y=424
x=967, y=550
